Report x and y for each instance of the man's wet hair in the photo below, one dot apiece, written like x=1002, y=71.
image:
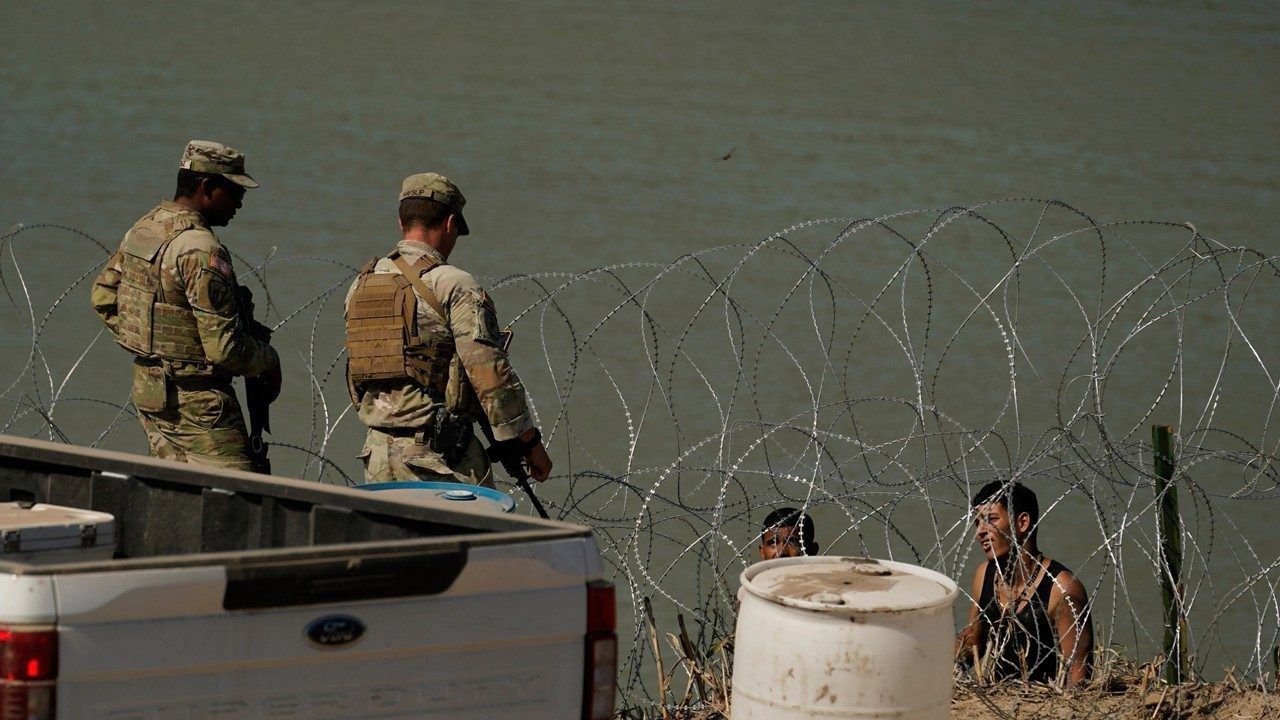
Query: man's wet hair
x=791, y=517
x=1015, y=498
x=423, y=212
x=189, y=182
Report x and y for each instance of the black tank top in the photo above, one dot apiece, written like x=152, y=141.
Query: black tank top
x=1023, y=638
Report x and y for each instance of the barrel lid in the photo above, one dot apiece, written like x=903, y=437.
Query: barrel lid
x=848, y=584
x=457, y=494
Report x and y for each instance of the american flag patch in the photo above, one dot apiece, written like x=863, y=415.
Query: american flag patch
x=221, y=265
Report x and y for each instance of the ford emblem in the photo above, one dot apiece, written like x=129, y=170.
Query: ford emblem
x=335, y=632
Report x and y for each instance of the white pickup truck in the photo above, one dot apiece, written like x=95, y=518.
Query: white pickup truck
x=234, y=596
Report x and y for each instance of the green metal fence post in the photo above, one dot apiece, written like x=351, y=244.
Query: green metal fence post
x=1169, y=537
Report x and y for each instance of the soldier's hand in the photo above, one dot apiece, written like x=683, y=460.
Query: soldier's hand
x=539, y=463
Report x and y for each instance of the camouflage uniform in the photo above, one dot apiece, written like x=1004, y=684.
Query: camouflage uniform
x=401, y=413
x=194, y=339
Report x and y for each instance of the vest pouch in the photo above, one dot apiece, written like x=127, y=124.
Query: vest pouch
x=459, y=397
x=150, y=388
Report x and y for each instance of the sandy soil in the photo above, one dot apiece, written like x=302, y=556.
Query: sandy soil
x=1120, y=690
x=1221, y=701
x=1186, y=702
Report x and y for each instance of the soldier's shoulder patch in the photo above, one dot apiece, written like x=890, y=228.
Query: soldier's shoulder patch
x=480, y=298
x=486, y=317
x=221, y=264
x=219, y=297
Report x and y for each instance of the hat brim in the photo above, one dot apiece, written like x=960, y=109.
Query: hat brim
x=463, y=228
x=242, y=180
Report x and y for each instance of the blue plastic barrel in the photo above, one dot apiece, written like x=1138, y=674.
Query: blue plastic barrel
x=450, y=493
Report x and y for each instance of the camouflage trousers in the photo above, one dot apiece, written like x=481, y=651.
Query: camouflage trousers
x=203, y=426
x=388, y=458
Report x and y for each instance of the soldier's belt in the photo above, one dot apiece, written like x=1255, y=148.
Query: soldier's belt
x=450, y=439
x=215, y=382
x=405, y=432
x=204, y=380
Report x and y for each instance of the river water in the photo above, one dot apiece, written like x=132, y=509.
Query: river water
x=592, y=134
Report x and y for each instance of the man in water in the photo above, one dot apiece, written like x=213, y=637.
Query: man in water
x=1030, y=618
x=169, y=295
x=787, y=532
x=426, y=359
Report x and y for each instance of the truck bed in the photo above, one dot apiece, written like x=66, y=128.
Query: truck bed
x=225, y=583
x=171, y=514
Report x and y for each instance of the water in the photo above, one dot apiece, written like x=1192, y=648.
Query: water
x=590, y=134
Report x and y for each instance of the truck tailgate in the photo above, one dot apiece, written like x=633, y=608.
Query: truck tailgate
x=172, y=643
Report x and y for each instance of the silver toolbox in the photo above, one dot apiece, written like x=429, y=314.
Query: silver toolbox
x=43, y=533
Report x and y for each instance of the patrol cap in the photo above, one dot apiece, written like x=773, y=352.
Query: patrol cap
x=207, y=156
x=436, y=187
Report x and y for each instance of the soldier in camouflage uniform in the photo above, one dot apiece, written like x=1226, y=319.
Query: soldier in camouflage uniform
x=426, y=358
x=170, y=297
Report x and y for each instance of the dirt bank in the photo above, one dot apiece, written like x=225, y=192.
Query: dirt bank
x=1221, y=701
x=1186, y=702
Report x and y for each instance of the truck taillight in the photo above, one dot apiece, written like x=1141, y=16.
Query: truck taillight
x=28, y=670
x=600, y=681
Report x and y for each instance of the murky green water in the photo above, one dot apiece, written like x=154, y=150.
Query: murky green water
x=591, y=134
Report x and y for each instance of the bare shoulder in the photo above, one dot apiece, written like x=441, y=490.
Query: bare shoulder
x=1066, y=581
x=1067, y=585
x=978, y=576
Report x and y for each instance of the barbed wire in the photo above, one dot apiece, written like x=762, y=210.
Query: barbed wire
x=873, y=372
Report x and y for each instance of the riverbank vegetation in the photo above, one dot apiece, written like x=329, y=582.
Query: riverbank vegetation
x=695, y=684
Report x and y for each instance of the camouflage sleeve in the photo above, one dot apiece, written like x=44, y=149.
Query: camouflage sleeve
x=204, y=268
x=474, y=323
x=103, y=294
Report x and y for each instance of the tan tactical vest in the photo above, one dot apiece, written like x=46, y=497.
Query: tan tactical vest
x=383, y=342
x=153, y=325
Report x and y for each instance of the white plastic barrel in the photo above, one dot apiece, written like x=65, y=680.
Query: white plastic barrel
x=841, y=637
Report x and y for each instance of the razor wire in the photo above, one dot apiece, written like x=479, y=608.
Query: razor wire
x=873, y=372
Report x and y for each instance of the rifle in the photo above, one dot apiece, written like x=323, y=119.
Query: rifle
x=505, y=452
x=257, y=391
x=513, y=463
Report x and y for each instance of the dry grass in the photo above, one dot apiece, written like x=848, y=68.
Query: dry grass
x=696, y=687
x=706, y=675
x=1120, y=690
x=1187, y=701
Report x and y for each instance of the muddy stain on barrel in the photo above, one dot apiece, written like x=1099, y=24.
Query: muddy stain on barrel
x=803, y=585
